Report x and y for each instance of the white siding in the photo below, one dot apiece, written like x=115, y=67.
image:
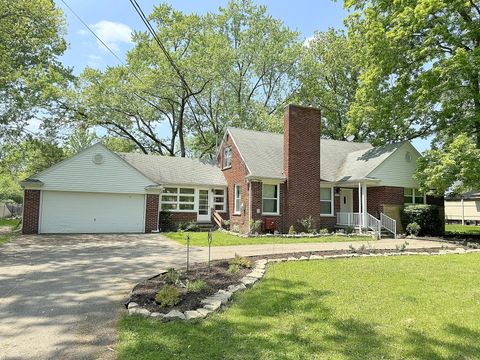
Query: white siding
x=80, y=173
x=453, y=210
x=396, y=170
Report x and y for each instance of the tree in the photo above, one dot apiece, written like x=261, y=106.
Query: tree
x=421, y=61
x=329, y=80
x=31, y=74
x=79, y=140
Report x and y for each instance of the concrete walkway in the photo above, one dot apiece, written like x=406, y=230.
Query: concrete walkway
x=62, y=295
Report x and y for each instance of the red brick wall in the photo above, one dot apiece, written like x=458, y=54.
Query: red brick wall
x=256, y=189
x=302, y=163
x=31, y=211
x=236, y=175
x=151, y=213
x=378, y=196
x=179, y=217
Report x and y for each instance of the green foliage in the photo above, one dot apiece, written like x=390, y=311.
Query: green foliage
x=308, y=224
x=255, y=226
x=234, y=268
x=324, y=231
x=197, y=286
x=420, y=77
x=241, y=261
x=291, y=230
x=165, y=222
x=349, y=230
x=413, y=229
x=426, y=216
x=79, y=140
x=402, y=247
x=187, y=226
x=168, y=296
x=172, y=276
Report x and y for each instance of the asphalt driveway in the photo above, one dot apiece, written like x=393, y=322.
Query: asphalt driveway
x=60, y=296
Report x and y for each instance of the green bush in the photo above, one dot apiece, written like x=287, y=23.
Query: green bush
x=197, y=286
x=426, y=216
x=255, y=226
x=241, y=262
x=173, y=276
x=291, y=230
x=349, y=230
x=165, y=222
x=308, y=224
x=413, y=229
x=168, y=296
x=187, y=226
x=233, y=268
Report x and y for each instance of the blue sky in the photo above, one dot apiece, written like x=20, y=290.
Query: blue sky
x=113, y=21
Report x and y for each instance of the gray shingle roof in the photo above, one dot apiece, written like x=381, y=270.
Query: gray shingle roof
x=176, y=170
x=339, y=160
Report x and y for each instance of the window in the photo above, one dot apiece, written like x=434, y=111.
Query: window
x=237, y=198
x=413, y=196
x=227, y=157
x=270, y=199
x=326, y=201
x=178, y=199
x=219, y=199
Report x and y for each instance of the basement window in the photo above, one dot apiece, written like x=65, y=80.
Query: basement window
x=270, y=199
x=178, y=199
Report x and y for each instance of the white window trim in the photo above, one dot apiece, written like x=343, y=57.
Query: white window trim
x=228, y=147
x=332, y=200
x=278, y=200
x=414, y=190
x=224, y=196
x=235, y=210
x=178, y=202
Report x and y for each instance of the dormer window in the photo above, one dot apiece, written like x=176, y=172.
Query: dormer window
x=227, y=157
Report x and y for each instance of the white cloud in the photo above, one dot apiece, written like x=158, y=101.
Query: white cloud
x=95, y=61
x=111, y=33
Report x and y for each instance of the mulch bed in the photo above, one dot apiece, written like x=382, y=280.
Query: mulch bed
x=218, y=278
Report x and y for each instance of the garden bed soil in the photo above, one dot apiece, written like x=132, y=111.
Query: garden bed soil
x=217, y=279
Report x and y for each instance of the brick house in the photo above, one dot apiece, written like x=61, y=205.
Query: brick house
x=279, y=179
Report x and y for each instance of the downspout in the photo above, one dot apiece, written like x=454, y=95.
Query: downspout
x=249, y=204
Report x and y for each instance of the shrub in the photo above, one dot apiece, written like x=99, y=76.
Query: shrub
x=197, y=285
x=236, y=228
x=173, y=276
x=241, y=262
x=188, y=226
x=233, y=268
x=168, y=296
x=413, y=229
x=426, y=216
x=165, y=222
x=255, y=226
x=308, y=224
x=349, y=230
x=324, y=231
x=291, y=230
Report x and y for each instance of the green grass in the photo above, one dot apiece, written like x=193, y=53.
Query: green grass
x=415, y=307
x=12, y=224
x=462, y=229
x=224, y=239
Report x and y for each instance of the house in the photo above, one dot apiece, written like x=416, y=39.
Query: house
x=464, y=209
x=276, y=178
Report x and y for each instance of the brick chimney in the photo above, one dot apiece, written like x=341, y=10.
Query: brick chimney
x=301, y=163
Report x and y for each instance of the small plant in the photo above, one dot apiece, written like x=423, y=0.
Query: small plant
x=173, y=276
x=291, y=230
x=349, y=230
x=196, y=286
x=241, y=261
x=236, y=228
x=255, y=226
x=324, y=231
x=352, y=248
x=413, y=229
x=226, y=224
x=308, y=224
x=355, y=250
x=402, y=247
x=188, y=226
x=233, y=268
x=168, y=296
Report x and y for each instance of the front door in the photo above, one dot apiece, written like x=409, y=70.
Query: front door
x=346, y=200
x=203, y=214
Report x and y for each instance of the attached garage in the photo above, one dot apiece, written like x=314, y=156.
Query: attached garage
x=82, y=212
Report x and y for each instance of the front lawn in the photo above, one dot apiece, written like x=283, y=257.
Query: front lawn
x=221, y=238
x=415, y=307
x=11, y=223
x=453, y=229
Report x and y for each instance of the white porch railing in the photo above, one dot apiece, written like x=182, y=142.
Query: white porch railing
x=374, y=224
x=349, y=219
x=389, y=224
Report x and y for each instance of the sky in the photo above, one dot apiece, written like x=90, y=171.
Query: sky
x=113, y=22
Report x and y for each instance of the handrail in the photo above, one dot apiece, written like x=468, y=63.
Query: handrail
x=374, y=224
x=217, y=218
x=348, y=219
x=389, y=224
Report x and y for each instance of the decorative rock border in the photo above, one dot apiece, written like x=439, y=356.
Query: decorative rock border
x=215, y=302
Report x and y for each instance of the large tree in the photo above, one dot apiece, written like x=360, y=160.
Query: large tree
x=31, y=41
x=421, y=61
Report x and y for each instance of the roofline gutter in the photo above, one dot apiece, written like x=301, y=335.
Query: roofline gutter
x=261, y=178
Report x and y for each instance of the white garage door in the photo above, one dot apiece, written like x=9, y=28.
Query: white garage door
x=70, y=212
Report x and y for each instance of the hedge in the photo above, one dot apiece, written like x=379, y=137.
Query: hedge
x=427, y=216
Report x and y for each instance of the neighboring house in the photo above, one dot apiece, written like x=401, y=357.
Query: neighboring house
x=277, y=178
x=464, y=209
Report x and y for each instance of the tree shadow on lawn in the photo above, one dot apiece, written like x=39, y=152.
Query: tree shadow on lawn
x=279, y=319
x=463, y=344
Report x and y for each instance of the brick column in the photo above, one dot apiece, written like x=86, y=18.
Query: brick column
x=31, y=211
x=151, y=212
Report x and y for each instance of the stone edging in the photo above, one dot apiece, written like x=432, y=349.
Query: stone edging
x=215, y=302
